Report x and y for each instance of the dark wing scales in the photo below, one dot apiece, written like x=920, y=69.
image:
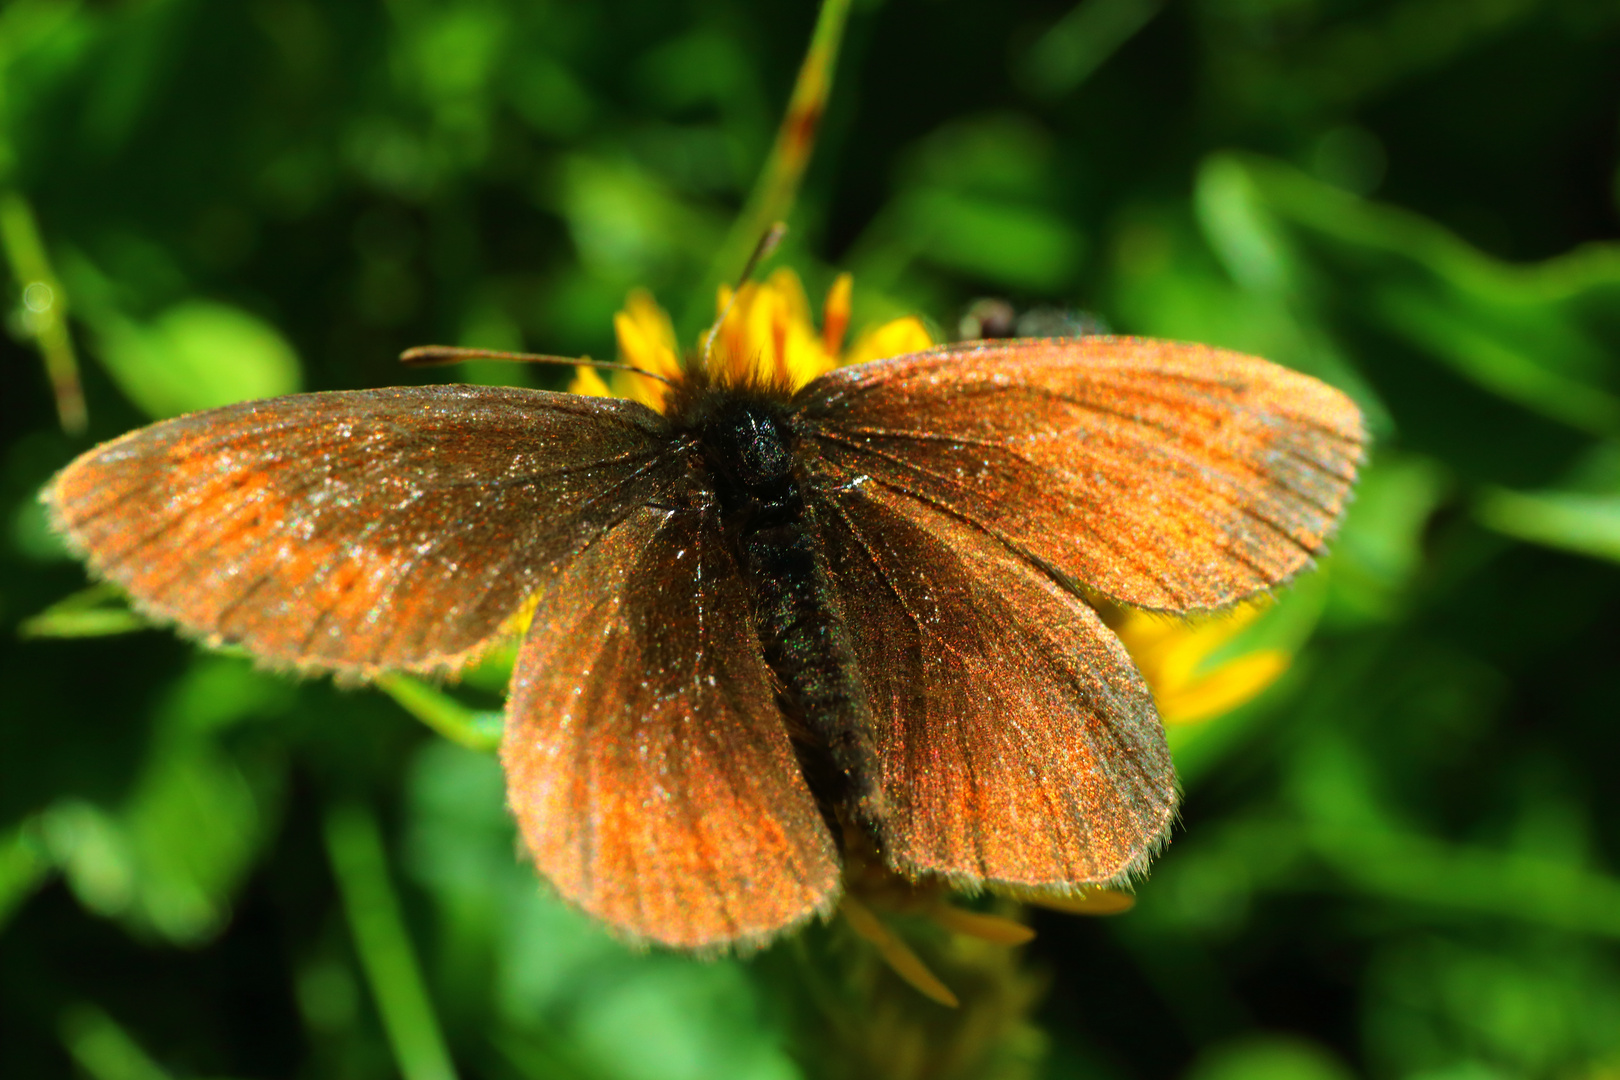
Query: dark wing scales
x=646, y=760
x=360, y=530
x=1018, y=744
x=1166, y=476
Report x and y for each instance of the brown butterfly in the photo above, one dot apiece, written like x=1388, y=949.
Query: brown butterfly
x=762, y=616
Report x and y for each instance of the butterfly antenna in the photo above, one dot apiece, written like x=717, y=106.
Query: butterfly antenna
x=762, y=251
x=433, y=355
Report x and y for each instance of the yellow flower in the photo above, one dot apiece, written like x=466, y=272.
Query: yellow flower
x=646, y=341
x=766, y=334
x=1172, y=653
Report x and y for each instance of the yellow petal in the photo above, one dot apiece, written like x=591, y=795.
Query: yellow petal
x=646, y=341
x=722, y=300
x=1171, y=654
x=733, y=352
x=636, y=347
x=835, y=314
x=793, y=353
x=991, y=928
x=653, y=320
x=894, y=338
x=764, y=335
x=1222, y=690
x=1174, y=648
x=785, y=283
x=896, y=953
x=1095, y=902
x=589, y=382
x=806, y=358
x=518, y=622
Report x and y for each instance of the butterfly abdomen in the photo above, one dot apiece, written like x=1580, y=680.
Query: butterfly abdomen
x=748, y=444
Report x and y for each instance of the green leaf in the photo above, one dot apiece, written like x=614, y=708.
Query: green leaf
x=1079, y=43
x=1441, y=1007
x=626, y=224
x=1587, y=524
x=1268, y=1057
x=360, y=863
x=104, y=1050
x=1379, y=550
x=168, y=859
x=998, y=242
x=197, y=355
x=1541, y=336
x=95, y=611
x=23, y=868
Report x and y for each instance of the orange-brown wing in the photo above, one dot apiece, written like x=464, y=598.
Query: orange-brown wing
x=1166, y=476
x=359, y=530
x=646, y=760
x=1017, y=743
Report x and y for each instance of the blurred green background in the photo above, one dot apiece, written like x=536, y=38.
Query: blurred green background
x=1399, y=862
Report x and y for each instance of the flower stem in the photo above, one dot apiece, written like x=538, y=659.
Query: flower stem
x=778, y=183
x=472, y=728
x=355, y=847
x=95, y=611
x=1410, y=867
x=103, y=1049
x=44, y=307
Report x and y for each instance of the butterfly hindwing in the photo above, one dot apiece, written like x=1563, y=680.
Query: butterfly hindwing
x=967, y=497
x=360, y=530
x=1017, y=743
x=646, y=760
x=1160, y=475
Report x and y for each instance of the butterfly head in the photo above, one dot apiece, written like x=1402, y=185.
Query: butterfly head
x=743, y=430
x=749, y=441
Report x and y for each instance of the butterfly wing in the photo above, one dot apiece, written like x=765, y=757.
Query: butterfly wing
x=1160, y=475
x=359, y=530
x=1017, y=743
x=965, y=496
x=647, y=762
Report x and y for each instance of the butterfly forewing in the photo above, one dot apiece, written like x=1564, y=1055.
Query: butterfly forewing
x=359, y=530
x=1166, y=476
x=1018, y=744
x=646, y=759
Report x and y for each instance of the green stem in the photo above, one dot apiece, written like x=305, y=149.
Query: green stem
x=472, y=728
x=105, y=1050
x=1079, y=43
x=95, y=611
x=355, y=847
x=1418, y=869
x=44, y=305
x=778, y=183
x=24, y=867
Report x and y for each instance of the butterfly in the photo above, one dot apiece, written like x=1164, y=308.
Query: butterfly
x=761, y=616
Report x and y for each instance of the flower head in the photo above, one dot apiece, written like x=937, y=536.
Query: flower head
x=764, y=333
